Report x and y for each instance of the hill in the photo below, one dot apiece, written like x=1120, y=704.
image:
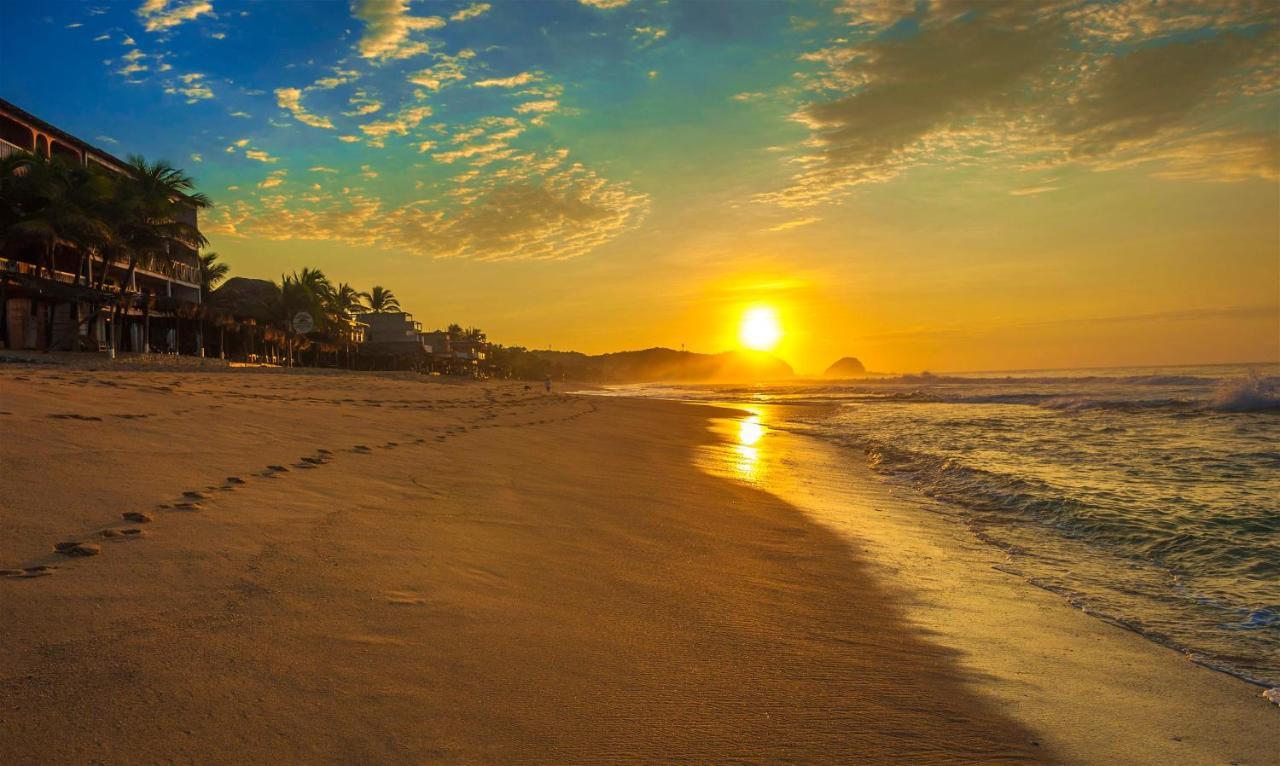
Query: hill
x=645, y=366
x=848, y=367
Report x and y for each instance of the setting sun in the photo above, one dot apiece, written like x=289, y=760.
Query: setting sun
x=760, y=329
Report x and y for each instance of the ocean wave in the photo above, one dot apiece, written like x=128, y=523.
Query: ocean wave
x=1254, y=393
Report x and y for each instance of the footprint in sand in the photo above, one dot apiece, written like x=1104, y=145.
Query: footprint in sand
x=137, y=517
x=324, y=452
x=73, y=416
x=77, y=548
x=186, y=506
x=404, y=598
x=43, y=570
x=314, y=461
x=235, y=480
x=194, y=495
x=360, y=448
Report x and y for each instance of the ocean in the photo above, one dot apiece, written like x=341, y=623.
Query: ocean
x=1147, y=497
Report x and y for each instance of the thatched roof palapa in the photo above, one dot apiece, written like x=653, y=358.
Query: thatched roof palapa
x=251, y=298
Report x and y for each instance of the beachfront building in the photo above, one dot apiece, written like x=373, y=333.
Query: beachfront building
x=394, y=340
x=454, y=352
x=64, y=307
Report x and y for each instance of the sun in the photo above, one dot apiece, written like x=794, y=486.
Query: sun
x=760, y=329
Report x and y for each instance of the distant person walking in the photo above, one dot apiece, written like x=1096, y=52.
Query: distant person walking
x=547, y=383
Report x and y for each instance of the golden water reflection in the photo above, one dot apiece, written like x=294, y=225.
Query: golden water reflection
x=750, y=431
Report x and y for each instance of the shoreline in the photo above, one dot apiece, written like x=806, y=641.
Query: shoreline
x=1070, y=695
x=476, y=572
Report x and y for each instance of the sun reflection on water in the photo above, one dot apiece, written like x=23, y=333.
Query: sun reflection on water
x=750, y=431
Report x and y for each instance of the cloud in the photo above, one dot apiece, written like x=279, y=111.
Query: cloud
x=192, y=85
x=447, y=69
x=1030, y=191
x=270, y=182
x=241, y=115
x=260, y=156
x=159, y=15
x=404, y=120
x=339, y=77
x=514, y=81
x=291, y=99
x=542, y=208
x=349, y=139
x=361, y=105
x=323, y=169
x=1136, y=96
x=537, y=107
x=105, y=139
x=605, y=4
x=76, y=25
x=197, y=157
x=788, y=225
x=101, y=38
x=1025, y=84
x=133, y=64
x=470, y=12
x=650, y=35
x=750, y=95
x=388, y=26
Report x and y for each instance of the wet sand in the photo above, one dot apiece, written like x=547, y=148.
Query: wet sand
x=383, y=569
x=1093, y=692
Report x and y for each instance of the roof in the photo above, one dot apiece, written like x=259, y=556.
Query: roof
x=242, y=296
x=57, y=132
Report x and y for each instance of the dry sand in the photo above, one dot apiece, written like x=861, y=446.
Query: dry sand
x=436, y=572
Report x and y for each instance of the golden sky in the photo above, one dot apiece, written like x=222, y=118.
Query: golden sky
x=924, y=185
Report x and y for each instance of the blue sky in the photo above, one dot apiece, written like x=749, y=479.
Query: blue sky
x=914, y=182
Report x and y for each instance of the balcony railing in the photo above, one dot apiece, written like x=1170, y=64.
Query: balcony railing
x=7, y=149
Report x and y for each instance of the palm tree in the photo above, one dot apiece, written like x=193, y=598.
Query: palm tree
x=381, y=300
x=50, y=205
x=148, y=214
x=211, y=273
x=340, y=303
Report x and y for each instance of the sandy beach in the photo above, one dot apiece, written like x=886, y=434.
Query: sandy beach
x=383, y=568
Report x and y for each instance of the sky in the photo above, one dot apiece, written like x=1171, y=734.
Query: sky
x=924, y=185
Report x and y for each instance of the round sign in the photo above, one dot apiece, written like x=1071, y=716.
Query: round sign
x=302, y=322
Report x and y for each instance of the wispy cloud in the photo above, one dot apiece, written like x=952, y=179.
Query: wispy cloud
x=447, y=69
x=514, y=81
x=291, y=99
x=1030, y=191
x=159, y=15
x=400, y=124
x=192, y=85
x=470, y=12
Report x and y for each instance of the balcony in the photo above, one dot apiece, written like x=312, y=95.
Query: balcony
x=7, y=149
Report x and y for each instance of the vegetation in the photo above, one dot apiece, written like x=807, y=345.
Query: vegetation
x=127, y=220
x=380, y=300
